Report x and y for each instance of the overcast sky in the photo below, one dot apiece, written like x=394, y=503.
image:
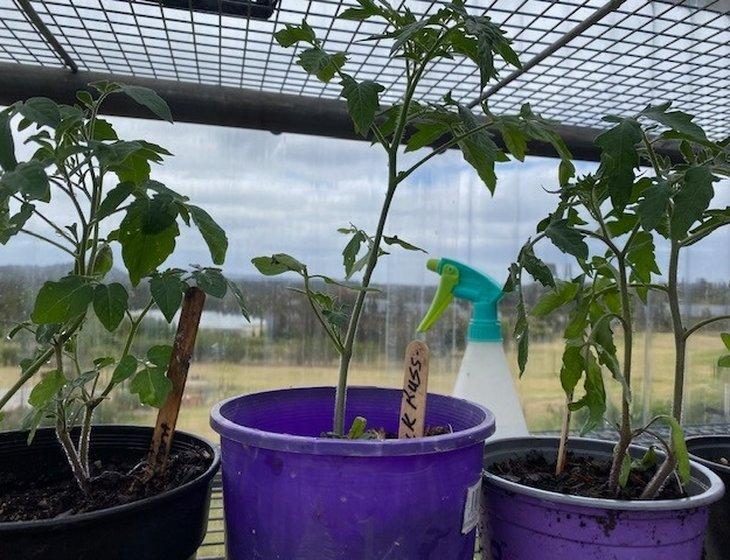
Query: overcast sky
x=289, y=193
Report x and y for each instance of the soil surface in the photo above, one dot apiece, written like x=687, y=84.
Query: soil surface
x=721, y=460
x=382, y=434
x=114, y=483
x=583, y=476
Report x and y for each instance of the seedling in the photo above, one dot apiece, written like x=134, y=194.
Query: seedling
x=623, y=213
x=415, y=46
x=81, y=162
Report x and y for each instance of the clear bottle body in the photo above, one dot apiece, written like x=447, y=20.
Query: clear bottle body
x=484, y=378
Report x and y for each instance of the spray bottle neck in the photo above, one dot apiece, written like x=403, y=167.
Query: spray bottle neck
x=484, y=325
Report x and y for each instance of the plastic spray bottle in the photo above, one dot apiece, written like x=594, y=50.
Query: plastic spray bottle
x=484, y=376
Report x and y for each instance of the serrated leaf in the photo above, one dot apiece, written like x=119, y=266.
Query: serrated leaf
x=58, y=302
x=654, y=204
x=572, y=369
x=567, y=239
x=679, y=448
x=212, y=233
x=29, y=179
x=110, y=304
x=320, y=63
x=152, y=386
x=619, y=158
x=536, y=267
x=7, y=146
x=277, y=264
x=114, y=199
x=211, y=281
x=148, y=98
x=595, y=395
x=425, y=135
x=641, y=256
x=167, y=292
x=563, y=293
x=676, y=120
x=240, y=299
x=478, y=149
x=11, y=225
x=395, y=240
x=160, y=355
x=41, y=111
x=293, y=34
x=46, y=389
x=691, y=201
x=362, y=102
x=351, y=250
x=145, y=244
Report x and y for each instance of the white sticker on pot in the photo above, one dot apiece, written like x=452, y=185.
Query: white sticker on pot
x=471, y=507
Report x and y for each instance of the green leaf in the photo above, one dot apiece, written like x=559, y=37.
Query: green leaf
x=679, y=448
x=277, y=264
x=362, y=102
x=595, y=395
x=148, y=98
x=167, y=291
x=7, y=146
x=104, y=131
x=515, y=140
x=564, y=293
x=41, y=111
x=351, y=250
x=160, y=355
x=212, y=282
x=11, y=225
x=114, y=199
x=58, y=302
x=693, y=198
x=152, y=386
x=46, y=389
x=395, y=240
x=293, y=34
x=654, y=204
x=567, y=239
x=676, y=120
x=572, y=368
x=619, y=159
x=29, y=179
x=358, y=428
x=425, y=135
x=536, y=267
x=322, y=64
x=125, y=369
x=110, y=303
x=725, y=339
x=104, y=260
x=479, y=149
x=641, y=256
x=240, y=299
x=724, y=361
x=146, y=243
x=212, y=233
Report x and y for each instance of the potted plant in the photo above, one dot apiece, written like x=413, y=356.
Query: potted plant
x=69, y=491
x=583, y=496
x=289, y=460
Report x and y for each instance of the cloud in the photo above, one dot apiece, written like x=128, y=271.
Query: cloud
x=289, y=193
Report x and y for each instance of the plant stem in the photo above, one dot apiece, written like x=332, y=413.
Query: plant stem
x=697, y=326
x=680, y=337
x=346, y=355
x=43, y=238
x=660, y=477
x=564, y=435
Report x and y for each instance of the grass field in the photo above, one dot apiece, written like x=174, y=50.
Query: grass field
x=539, y=388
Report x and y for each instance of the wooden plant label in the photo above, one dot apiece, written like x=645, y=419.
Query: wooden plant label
x=415, y=390
x=177, y=372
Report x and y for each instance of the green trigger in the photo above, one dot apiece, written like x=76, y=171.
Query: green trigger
x=444, y=294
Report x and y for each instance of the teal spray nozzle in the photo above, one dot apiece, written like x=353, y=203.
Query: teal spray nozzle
x=462, y=281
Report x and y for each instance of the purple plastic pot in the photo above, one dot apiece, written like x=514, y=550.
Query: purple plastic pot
x=522, y=523
x=292, y=495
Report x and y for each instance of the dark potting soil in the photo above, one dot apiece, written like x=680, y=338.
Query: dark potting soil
x=721, y=460
x=382, y=434
x=116, y=482
x=583, y=476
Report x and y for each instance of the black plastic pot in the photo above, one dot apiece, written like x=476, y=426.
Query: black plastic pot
x=703, y=449
x=169, y=526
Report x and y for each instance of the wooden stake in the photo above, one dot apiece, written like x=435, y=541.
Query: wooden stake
x=415, y=391
x=177, y=372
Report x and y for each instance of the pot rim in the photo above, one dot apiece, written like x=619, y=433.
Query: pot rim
x=713, y=486
x=712, y=465
x=89, y=516
x=311, y=445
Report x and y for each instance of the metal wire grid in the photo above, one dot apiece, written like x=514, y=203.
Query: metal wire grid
x=645, y=51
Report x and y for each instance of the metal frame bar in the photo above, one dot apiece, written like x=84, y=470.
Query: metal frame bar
x=46, y=33
x=236, y=107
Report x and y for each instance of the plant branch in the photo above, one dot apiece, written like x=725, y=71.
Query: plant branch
x=691, y=330
x=58, y=230
x=680, y=336
x=47, y=240
x=322, y=321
